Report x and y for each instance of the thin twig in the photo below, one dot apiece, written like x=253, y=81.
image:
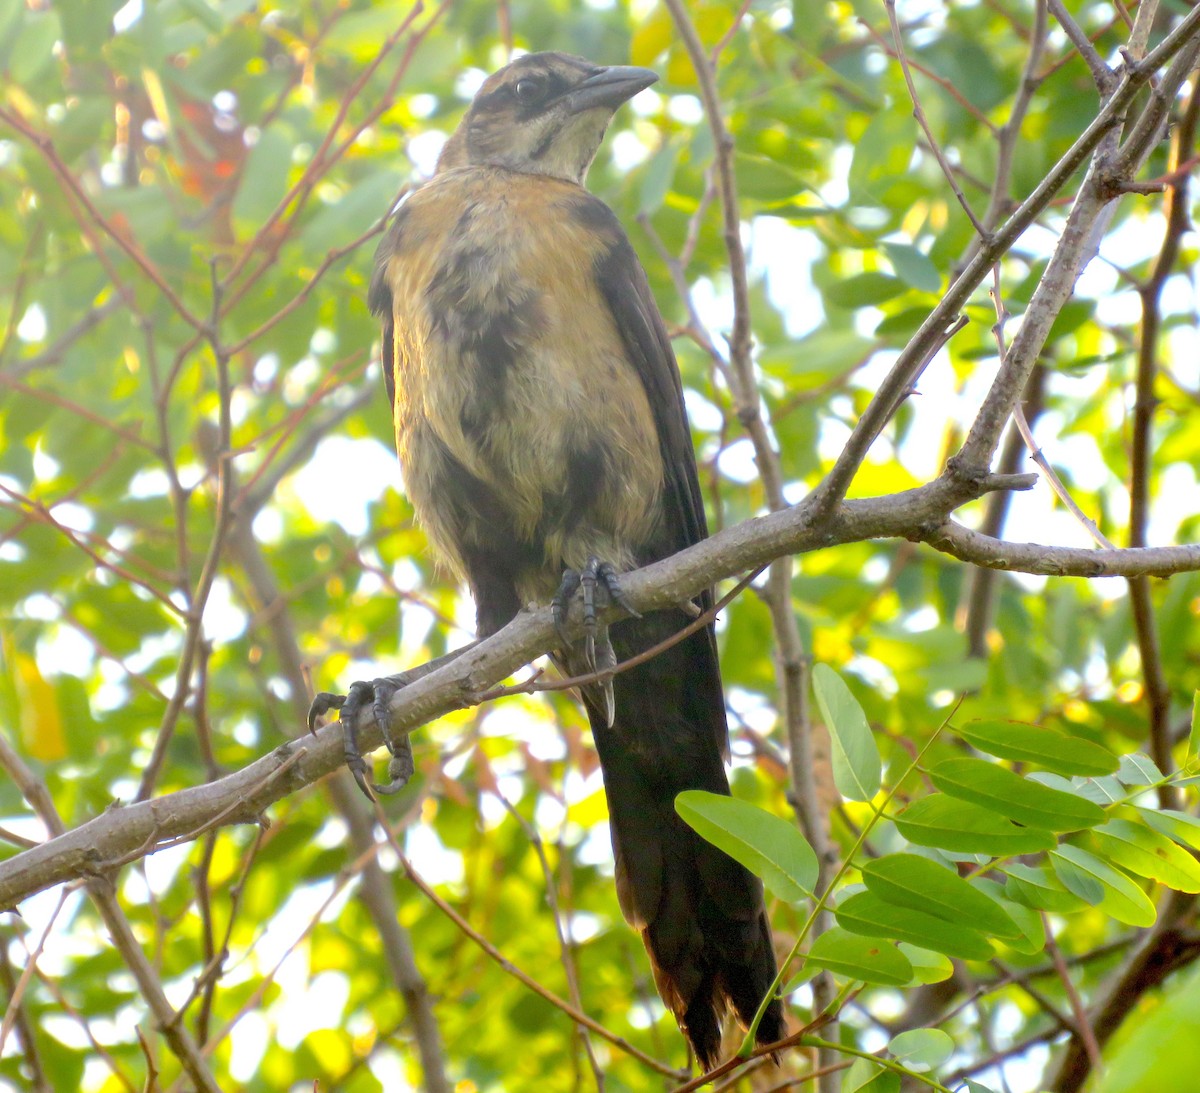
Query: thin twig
x=1105, y=78
x=1083, y=1024
x=508, y=966
x=564, y=942
x=923, y=121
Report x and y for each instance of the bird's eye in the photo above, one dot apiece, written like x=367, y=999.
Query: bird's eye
x=528, y=90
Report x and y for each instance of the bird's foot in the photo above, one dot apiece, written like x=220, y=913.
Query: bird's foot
x=376, y=693
x=595, y=577
x=600, y=587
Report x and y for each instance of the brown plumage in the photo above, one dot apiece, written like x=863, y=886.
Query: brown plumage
x=540, y=425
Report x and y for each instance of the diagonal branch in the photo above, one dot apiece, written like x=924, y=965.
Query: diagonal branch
x=457, y=682
x=910, y=360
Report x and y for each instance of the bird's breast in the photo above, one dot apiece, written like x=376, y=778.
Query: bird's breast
x=508, y=356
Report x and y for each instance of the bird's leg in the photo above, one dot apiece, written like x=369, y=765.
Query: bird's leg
x=560, y=605
x=376, y=693
x=601, y=587
x=595, y=575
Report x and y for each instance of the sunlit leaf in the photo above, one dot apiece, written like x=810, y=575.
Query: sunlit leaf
x=1084, y=874
x=865, y=913
x=928, y=966
x=1146, y=853
x=1047, y=748
x=857, y=768
x=767, y=845
x=853, y=956
x=1183, y=827
x=912, y=881
x=1008, y=794
x=950, y=824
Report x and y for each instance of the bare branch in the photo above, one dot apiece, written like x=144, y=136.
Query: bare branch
x=917, y=514
x=1104, y=77
x=910, y=360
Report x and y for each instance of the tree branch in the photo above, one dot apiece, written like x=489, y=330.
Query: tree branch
x=912, y=358
x=129, y=832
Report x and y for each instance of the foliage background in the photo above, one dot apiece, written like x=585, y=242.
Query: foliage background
x=200, y=520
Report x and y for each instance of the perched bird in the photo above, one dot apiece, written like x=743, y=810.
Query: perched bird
x=541, y=429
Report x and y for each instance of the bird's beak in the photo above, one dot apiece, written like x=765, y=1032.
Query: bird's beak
x=609, y=88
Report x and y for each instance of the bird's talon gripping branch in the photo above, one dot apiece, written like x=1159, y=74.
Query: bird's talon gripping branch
x=607, y=576
x=596, y=575
x=587, y=582
x=377, y=693
x=321, y=705
x=560, y=605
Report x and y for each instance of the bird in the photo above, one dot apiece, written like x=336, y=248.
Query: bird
x=545, y=447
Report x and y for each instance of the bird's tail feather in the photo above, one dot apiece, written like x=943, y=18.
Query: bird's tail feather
x=699, y=912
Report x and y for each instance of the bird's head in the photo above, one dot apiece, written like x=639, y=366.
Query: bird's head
x=545, y=114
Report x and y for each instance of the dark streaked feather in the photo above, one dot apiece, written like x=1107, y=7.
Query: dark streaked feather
x=701, y=914
x=379, y=300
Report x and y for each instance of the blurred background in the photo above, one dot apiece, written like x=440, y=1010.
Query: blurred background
x=202, y=519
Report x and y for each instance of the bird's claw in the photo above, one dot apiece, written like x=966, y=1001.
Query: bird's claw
x=560, y=605
x=321, y=705
x=595, y=576
x=600, y=587
x=376, y=693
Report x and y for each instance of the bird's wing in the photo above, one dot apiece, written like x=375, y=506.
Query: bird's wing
x=379, y=299
x=622, y=282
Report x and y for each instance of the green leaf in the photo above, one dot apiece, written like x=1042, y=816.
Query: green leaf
x=657, y=177
x=1005, y=792
x=766, y=180
x=1037, y=887
x=928, y=966
x=1081, y=882
x=1031, y=936
x=950, y=824
x=767, y=845
x=1047, y=748
x=922, y=1048
x=1180, y=826
x=860, y=1073
x=1102, y=791
x=1120, y=897
x=349, y=217
x=359, y=33
x=886, y=1082
x=820, y=355
x=857, y=768
x=1157, y=1050
x=1138, y=769
x=881, y=155
x=912, y=881
x=865, y=913
x=864, y=290
x=804, y=975
x=264, y=177
x=913, y=267
x=32, y=50
x=868, y=1076
x=853, y=956
x=1146, y=853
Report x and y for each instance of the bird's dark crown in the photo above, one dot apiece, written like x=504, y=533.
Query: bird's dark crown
x=545, y=113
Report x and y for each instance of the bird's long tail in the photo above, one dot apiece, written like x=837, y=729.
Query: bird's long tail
x=700, y=913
